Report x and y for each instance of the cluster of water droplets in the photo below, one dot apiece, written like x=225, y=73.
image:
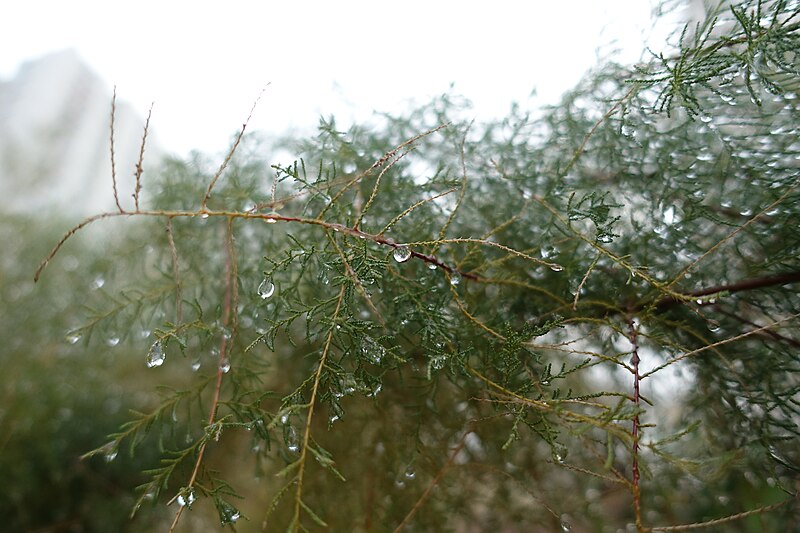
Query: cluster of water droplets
x=372, y=350
x=186, y=497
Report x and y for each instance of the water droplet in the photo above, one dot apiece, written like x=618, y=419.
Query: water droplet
x=204, y=216
x=555, y=267
x=332, y=419
x=270, y=219
x=290, y=438
x=228, y=514
x=98, y=282
x=110, y=451
x=401, y=254
x=73, y=336
x=155, y=357
x=455, y=278
x=565, y=526
x=284, y=418
x=266, y=289
x=409, y=473
x=559, y=452
x=196, y=365
x=112, y=340
x=432, y=266
x=225, y=365
x=186, y=498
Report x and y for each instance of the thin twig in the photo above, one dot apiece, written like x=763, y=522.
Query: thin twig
x=203, y=204
x=139, y=167
x=719, y=343
x=386, y=157
x=731, y=518
x=583, y=282
x=298, y=500
x=732, y=234
x=113, y=158
x=739, y=286
x=602, y=119
x=435, y=481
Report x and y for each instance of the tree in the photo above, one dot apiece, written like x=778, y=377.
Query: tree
x=581, y=319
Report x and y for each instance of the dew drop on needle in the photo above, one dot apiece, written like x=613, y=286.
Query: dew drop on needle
x=266, y=288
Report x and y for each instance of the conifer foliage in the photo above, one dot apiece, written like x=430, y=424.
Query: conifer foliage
x=585, y=318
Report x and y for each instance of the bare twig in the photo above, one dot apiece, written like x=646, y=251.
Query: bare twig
x=435, y=481
x=113, y=158
x=139, y=168
x=203, y=204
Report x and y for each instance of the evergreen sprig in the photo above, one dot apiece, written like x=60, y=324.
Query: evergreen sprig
x=539, y=318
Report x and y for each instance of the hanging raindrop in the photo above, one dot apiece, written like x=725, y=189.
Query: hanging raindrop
x=559, y=452
x=228, y=514
x=290, y=437
x=110, y=451
x=73, y=336
x=555, y=267
x=196, y=365
x=225, y=365
x=455, y=278
x=266, y=289
x=402, y=254
x=156, y=356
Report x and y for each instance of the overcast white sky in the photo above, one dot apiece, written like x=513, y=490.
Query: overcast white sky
x=204, y=63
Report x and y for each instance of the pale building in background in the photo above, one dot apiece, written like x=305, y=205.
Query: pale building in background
x=54, y=139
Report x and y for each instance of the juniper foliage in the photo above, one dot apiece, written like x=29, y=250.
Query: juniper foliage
x=584, y=318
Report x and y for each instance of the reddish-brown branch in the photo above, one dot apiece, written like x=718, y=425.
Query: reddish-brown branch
x=637, y=502
x=744, y=285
